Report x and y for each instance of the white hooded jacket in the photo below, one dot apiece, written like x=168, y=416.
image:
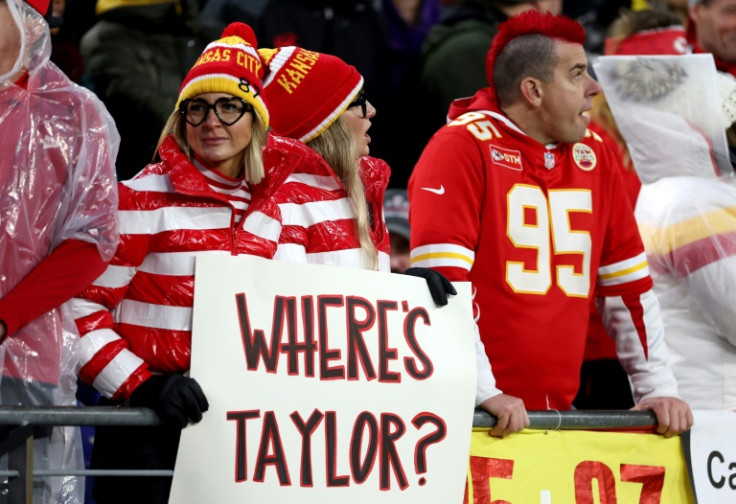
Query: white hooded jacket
x=686, y=211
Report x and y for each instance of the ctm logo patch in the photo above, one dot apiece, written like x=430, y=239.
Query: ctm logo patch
x=507, y=158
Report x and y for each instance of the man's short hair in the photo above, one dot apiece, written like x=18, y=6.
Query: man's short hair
x=525, y=56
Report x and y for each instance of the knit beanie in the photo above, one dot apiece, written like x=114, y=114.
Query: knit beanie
x=667, y=40
x=229, y=65
x=307, y=91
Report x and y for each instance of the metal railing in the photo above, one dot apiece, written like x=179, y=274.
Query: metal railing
x=19, y=443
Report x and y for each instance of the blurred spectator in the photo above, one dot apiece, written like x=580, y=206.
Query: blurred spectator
x=454, y=53
x=217, y=14
x=603, y=382
x=685, y=213
x=656, y=30
x=64, y=49
x=408, y=23
x=680, y=8
x=596, y=16
x=396, y=212
x=136, y=56
x=382, y=39
x=352, y=30
x=79, y=17
x=57, y=231
x=713, y=30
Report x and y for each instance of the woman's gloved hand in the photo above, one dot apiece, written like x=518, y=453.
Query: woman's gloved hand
x=439, y=286
x=175, y=398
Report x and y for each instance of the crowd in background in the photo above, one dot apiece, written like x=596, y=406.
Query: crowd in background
x=133, y=55
x=411, y=59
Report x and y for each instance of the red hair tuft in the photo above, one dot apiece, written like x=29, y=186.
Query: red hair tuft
x=533, y=22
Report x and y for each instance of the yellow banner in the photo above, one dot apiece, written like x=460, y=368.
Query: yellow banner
x=576, y=467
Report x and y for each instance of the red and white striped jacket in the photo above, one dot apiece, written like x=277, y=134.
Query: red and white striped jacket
x=136, y=318
x=318, y=217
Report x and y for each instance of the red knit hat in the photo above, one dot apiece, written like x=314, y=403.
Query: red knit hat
x=669, y=40
x=307, y=91
x=229, y=65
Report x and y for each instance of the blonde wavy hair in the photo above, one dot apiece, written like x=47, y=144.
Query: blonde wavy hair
x=337, y=146
x=253, y=160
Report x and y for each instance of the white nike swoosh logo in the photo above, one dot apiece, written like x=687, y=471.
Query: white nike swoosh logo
x=439, y=191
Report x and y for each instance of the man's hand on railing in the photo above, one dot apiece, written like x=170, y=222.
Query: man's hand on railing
x=510, y=413
x=175, y=398
x=673, y=415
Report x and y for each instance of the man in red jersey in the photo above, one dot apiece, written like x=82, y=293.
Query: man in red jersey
x=517, y=196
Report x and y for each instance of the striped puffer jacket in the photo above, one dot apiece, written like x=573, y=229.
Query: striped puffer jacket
x=318, y=218
x=136, y=318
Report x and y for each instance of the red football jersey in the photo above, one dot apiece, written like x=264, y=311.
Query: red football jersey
x=536, y=229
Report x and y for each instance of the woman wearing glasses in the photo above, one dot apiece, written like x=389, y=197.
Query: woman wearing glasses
x=202, y=196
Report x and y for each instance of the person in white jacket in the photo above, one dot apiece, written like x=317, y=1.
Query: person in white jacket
x=686, y=212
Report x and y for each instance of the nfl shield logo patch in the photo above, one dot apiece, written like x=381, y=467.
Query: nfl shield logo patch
x=549, y=160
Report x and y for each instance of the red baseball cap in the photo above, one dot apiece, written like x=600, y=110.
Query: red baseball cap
x=45, y=7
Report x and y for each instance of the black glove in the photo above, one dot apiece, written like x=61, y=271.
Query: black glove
x=175, y=398
x=439, y=286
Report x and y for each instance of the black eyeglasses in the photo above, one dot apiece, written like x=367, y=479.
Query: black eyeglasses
x=362, y=101
x=228, y=110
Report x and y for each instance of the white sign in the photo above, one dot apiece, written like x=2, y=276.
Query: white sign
x=326, y=385
x=712, y=461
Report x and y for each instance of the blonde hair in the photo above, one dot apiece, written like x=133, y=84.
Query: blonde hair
x=253, y=169
x=337, y=146
x=630, y=22
x=603, y=115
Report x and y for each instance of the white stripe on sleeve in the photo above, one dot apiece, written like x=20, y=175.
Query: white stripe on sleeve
x=115, y=276
x=623, y=272
x=442, y=255
x=172, y=318
x=87, y=347
x=112, y=377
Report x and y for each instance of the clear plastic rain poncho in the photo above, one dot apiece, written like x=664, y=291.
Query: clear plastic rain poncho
x=669, y=112
x=57, y=182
